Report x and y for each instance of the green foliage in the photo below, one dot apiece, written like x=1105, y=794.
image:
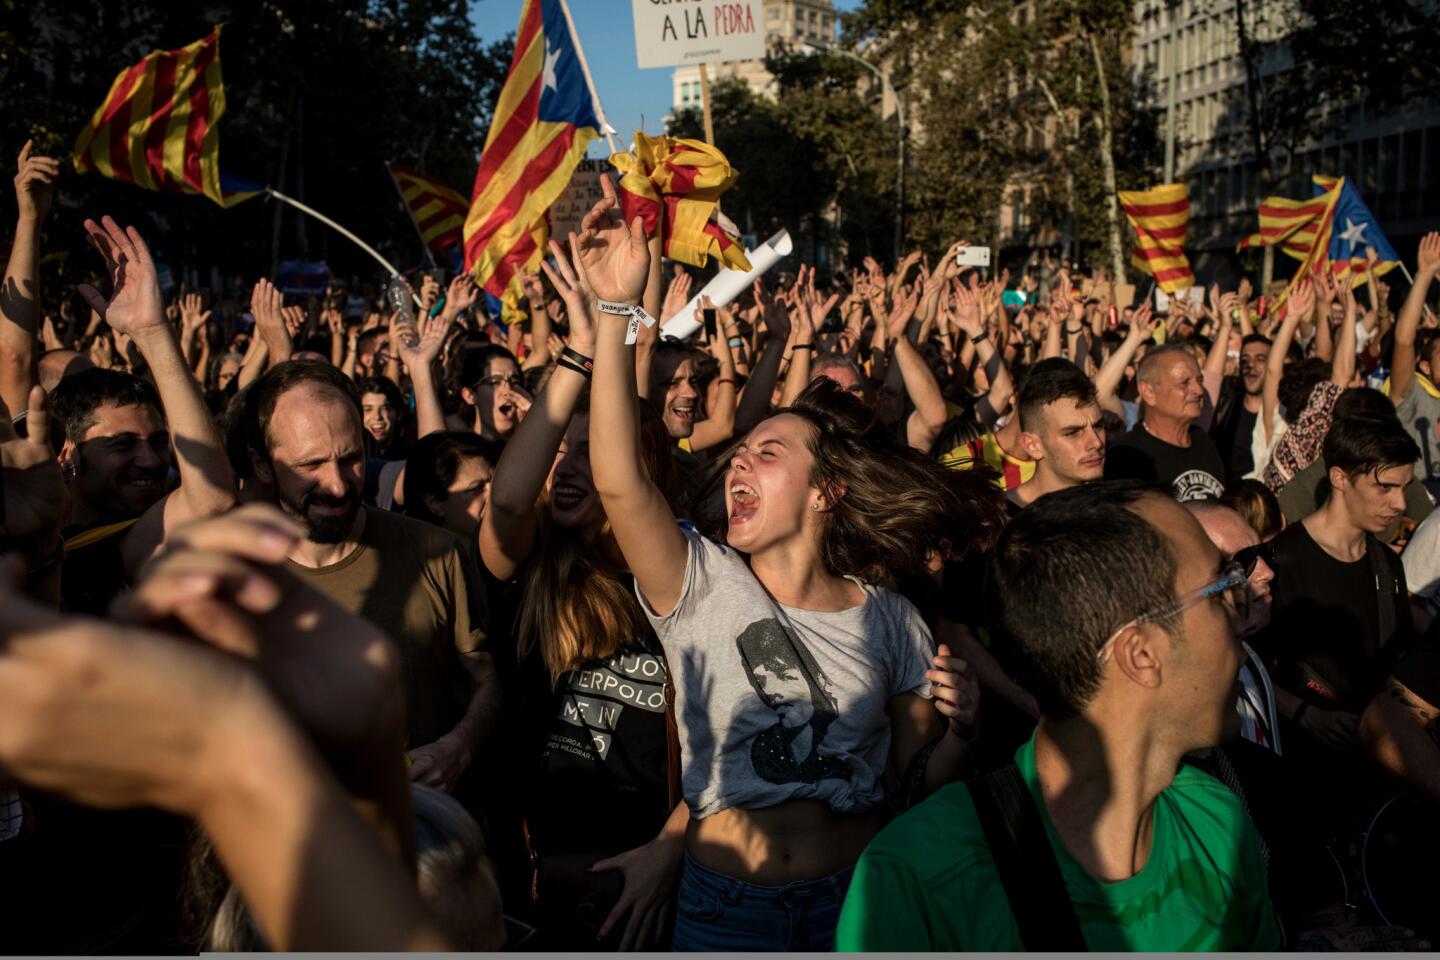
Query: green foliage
x=337, y=86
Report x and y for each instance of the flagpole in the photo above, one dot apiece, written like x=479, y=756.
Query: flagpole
x=423, y=245
x=589, y=81
x=270, y=191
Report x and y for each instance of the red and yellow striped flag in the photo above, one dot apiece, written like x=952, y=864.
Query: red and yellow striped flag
x=438, y=211
x=1289, y=224
x=1160, y=216
x=688, y=178
x=544, y=120
x=158, y=127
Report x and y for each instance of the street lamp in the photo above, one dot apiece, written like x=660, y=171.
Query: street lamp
x=899, y=136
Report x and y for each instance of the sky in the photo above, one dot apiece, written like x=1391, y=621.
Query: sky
x=633, y=99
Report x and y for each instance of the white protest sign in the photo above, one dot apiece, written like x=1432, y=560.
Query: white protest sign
x=571, y=206
x=672, y=33
x=729, y=284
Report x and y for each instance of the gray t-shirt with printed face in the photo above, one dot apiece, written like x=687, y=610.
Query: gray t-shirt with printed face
x=775, y=703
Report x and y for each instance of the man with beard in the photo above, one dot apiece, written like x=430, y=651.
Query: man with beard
x=303, y=429
x=122, y=435
x=1239, y=408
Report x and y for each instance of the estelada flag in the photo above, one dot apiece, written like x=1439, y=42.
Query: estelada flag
x=438, y=211
x=1353, y=230
x=543, y=122
x=159, y=125
x=1160, y=216
x=687, y=177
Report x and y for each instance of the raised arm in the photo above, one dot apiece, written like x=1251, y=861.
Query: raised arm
x=1325, y=293
x=1297, y=308
x=507, y=534
x=1112, y=371
x=1221, y=307
x=719, y=423
x=755, y=400
x=614, y=260
x=539, y=320
x=1342, y=368
x=207, y=485
x=20, y=296
x=928, y=417
x=1402, y=365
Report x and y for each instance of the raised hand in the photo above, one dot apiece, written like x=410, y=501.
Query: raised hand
x=676, y=295
x=531, y=286
x=901, y=313
x=224, y=580
x=334, y=321
x=1302, y=298
x=192, y=312
x=421, y=347
x=614, y=257
x=777, y=318
x=1428, y=260
x=1142, y=323
x=294, y=319
x=134, y=307
x=35, y=183
x=570, y=285
x=34, y=490
x=1245, y=290
x=266, y=303
x=460, y=295
x=429, y=292
x=967, y=311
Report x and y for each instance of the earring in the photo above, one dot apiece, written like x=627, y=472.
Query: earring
x=814, y=506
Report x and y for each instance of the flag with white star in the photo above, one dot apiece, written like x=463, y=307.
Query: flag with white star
x=544, y=121
x=1354, y=232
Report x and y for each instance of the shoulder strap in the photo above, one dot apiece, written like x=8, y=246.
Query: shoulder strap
x=1026, y=863
x=1385, y=588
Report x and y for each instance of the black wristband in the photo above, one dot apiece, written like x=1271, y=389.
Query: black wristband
x=982, y=335
x=569, y=364
x=1300, y=711
x=587, y=363
x=802, y=346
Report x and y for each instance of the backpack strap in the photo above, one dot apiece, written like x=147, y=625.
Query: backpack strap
x=1386, y=589
x=1026, y=863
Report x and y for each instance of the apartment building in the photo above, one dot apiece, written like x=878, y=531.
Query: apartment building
x=787, y=21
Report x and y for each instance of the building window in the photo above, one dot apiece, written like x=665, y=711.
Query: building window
x=772, y=14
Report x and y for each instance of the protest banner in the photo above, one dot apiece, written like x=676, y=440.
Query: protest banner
x=729, y=284
x=582, y=193
x=672, y=33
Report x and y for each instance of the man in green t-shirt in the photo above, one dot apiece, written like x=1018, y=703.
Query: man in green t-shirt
x=1117, y=613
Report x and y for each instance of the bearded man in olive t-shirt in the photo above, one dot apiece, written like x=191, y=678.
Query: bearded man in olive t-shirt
x=412, y=579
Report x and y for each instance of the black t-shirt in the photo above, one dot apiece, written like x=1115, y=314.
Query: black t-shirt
x=1195, y=472
x=1233, y=440
x=1324, y=632
x=599, y=779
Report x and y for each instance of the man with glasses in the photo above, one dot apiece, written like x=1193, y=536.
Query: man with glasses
x=1239, y=408
x=1119, y=616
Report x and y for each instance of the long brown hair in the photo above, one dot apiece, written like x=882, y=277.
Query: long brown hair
x=890, y=505
x=579, y=604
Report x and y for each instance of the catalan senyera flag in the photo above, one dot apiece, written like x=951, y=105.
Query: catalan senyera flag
x=159, y=125
x=438, y=211
x=544, y=120
x=687, y=178
x=1160, y=216
x=1288, y=224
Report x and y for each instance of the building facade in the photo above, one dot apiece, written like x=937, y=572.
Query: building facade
x=1195, y=45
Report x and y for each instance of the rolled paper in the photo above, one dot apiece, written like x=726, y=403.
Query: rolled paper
x=729, y=284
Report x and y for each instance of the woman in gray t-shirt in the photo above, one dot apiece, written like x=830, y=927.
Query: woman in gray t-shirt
x=805, y=695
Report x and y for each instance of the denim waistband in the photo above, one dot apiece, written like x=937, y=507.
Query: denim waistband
x=733, y=889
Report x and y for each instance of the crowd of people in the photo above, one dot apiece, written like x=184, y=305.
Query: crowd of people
x=907, y=609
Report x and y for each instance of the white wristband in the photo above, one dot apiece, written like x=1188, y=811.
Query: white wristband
x=616, y=309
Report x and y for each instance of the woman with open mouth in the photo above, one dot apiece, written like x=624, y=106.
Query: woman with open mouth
x=810, y=701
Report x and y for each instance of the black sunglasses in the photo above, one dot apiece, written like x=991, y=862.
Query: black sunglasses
x=1250, y=556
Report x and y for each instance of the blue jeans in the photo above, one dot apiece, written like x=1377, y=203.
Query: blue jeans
x=715, y=912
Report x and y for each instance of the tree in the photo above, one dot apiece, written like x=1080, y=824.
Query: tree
x=404, y=80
